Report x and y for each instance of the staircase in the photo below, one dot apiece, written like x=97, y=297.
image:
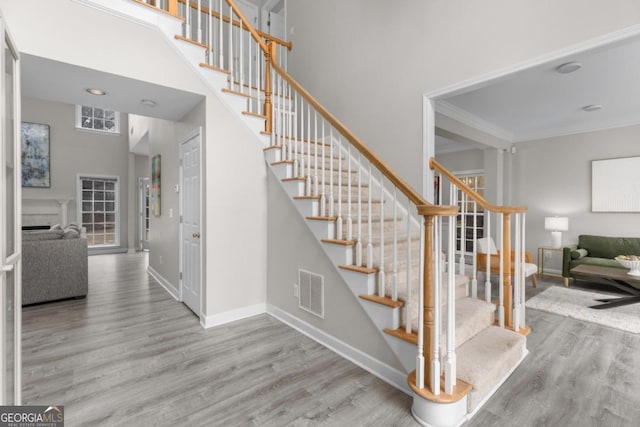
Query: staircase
x=395, y=251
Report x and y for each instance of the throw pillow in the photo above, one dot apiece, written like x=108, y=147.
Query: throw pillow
x=579, y=253
x=56, y=227
x=70, y=233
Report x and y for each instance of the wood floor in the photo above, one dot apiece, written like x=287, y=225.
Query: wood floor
x=131, y=355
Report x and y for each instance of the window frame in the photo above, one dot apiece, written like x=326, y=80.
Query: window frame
x=79, y=211
x=78, y=120
x=479, y=213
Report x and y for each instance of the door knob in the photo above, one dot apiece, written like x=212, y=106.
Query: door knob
x=196, y=235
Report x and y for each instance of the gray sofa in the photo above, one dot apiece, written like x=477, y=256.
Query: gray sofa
x=54, y=265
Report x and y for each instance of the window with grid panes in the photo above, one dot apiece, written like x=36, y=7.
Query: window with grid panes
x=473, y=214
x=97, y=119
x=99, y=210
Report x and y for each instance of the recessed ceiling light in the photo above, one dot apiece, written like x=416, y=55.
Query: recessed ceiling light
x=149, y=102
x=568, y=67
x=96, y=91
x=592, y=107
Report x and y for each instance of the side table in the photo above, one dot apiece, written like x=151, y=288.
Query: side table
x=541, y=251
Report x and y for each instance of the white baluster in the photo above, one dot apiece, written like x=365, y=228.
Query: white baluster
x=420, y=358
x=359, y=242
x=487, y=280
x=250, y=61
x=370, y=232
x=501, y=277
x=210, y=56
x=381, y=272
x=474, y=266
x=339, y=228
x=437, y=286
x=323, y=197
x=241, y=56
x=349, y=204
x=187, y=22
x=315, y=153
x=450, y=357
x=408, y=303
x=463, y=230
x=232, y=85
x=199, y=21
x=331, y=154
x=516, y=276
x=522, y=294
x=288, y=103
x=294, y=134
x=301, y=137
x=394, y=271
x=308, y=187
x=220, y=42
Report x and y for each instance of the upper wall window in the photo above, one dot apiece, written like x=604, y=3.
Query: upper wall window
x=97, y=119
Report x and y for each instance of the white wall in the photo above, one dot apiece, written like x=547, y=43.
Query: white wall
x=369, y=61
x=553, y=177
x=76, y=151
x=344, y=317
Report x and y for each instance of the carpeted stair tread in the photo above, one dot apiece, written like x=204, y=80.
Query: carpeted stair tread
x=485, y=359
x=472, y=316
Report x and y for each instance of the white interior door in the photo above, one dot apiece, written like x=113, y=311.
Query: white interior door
x=190, y=230
x=273, y=20
x=10, y=224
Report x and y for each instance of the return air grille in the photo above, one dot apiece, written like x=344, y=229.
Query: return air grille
x=311, y=295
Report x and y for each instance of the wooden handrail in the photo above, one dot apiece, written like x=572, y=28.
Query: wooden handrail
x=257, y=34
x=433, y=164
x=405, y=188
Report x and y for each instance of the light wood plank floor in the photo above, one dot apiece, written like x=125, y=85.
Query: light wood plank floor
x=131, y=355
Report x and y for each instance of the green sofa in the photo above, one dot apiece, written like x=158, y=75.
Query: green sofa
x=596, y=250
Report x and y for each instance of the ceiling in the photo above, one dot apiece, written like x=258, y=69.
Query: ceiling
x=540, y=102
x=57, y=81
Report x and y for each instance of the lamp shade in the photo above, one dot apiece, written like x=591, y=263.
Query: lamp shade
x=556, y=223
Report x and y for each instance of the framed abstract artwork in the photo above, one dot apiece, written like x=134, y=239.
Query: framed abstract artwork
x=614, y=185
x=154, y=202
x=36, y=155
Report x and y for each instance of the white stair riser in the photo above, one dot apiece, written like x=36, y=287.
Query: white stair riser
x=322, y=229
x=282, y=170
x=195, y=54
x=360, y=284
x=294, y=188
x=339, y=254
x=307, y=207
x=272, y=155
x=382, y=316
x=405, y=351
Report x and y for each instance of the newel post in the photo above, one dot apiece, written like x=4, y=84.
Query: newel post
x=428, y=303
x=507, y=270
x=269, y=56
x=172, y=7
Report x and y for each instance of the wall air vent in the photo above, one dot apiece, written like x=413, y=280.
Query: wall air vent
x=311, y=294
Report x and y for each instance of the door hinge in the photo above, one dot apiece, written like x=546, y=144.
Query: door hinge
x=181, y=275
x=180, y=219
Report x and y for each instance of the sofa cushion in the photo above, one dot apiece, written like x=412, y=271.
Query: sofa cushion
x=30, y=236
x=603, y=262
x=609, y=247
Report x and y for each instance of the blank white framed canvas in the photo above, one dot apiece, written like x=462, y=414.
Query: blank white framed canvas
x=615, y=185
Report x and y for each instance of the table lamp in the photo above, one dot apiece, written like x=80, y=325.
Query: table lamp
x=556, y=224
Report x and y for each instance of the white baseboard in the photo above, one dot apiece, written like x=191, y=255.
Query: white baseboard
x=380, y=369
x=105, y=251
x=172, y=290
x=232, y=315
x=553, y=271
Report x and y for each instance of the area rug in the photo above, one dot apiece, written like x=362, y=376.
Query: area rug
x=575, y=303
